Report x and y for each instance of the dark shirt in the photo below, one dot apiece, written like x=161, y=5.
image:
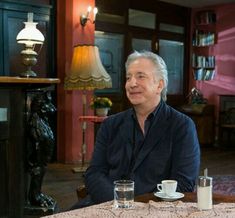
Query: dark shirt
x=138, y=137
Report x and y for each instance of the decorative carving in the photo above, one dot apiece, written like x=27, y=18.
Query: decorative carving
x=40, y=148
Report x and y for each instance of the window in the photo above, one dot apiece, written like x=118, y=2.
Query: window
x=171, y=28
x=141, y=19
x=173, y=54
x=111, y=54
x=141, y=44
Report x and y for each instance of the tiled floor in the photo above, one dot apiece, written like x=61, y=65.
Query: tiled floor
x=61, y=183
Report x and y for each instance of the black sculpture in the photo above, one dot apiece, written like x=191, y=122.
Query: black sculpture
x=40, y=148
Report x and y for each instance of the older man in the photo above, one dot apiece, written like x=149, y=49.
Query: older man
x=147, y=143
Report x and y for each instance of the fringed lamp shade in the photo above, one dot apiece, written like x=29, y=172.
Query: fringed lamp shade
x=87, y=71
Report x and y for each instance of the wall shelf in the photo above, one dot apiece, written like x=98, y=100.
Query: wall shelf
x=204, y=39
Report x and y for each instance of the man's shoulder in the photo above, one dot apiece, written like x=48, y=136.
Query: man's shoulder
x=176, y=115
x=119, y=117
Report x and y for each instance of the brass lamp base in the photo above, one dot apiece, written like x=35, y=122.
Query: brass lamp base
x=28, y=73
x=29, y=58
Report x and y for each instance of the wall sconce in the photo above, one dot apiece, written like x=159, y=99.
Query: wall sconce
x=85, y=18
x=30, y=36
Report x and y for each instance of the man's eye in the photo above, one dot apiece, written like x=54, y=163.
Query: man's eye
x=128, y=78
x=141, y=76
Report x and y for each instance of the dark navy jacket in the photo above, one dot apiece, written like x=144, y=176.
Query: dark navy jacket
x=171, y=151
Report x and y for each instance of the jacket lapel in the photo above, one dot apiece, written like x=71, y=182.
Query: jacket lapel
x=155, y=134
x=125, y=129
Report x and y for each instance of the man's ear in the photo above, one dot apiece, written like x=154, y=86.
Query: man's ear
x=160, y=86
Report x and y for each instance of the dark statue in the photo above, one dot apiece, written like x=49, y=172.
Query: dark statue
x=40, y=148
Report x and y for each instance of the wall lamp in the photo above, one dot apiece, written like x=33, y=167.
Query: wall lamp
x=85, y=18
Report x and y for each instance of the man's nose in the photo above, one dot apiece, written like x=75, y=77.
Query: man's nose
x=132, y=81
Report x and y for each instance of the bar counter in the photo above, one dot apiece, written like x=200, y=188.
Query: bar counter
x=13, y=138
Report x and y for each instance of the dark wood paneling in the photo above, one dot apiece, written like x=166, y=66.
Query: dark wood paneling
x=12, y=15
x=172, y=14
x=4, y=135
x=112, y=7
x=13, y=24
x=16, y=154
x=43, y=2
x=1, y=42
x=12, y=144
x=150, y=5
x=23, y=6
x=3, y=181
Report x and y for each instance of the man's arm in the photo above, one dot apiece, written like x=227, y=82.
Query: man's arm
x=97, y=181
x=185, y=156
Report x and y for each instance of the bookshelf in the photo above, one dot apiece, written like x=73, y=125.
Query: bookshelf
x=203, y=41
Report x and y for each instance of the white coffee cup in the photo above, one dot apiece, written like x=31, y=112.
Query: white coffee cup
x=168, y=187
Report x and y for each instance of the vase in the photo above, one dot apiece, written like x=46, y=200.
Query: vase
x=102, y=112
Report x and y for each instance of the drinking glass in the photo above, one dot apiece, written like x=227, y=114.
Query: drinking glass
x=123, y=193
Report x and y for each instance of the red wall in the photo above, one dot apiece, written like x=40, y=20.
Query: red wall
x=224, y=50
x=69, y=34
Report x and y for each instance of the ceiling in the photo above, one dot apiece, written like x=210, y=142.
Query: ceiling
x=197, y=3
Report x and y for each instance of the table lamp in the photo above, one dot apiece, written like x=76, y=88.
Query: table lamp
x=30, y=36
x=86, y=73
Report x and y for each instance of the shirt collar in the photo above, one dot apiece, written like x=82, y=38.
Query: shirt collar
x=151, y=115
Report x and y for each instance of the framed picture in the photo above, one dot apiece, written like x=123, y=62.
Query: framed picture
x=111, y=53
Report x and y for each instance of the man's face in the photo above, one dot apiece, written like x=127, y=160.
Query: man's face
x=142, y=85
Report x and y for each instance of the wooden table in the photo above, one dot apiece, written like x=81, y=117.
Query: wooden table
x=189, y=197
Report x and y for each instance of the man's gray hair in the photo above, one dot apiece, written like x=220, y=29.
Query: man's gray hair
x=160, y=66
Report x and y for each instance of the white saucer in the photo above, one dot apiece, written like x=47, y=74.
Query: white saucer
x=164, y=197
